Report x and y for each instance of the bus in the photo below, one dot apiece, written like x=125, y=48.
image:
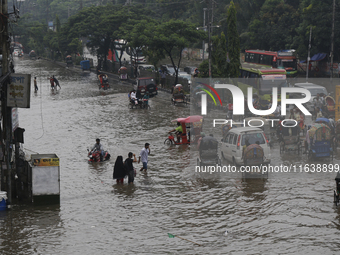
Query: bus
x=262, y=79
x=283, y=59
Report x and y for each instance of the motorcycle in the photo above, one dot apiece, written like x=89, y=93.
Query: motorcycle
x=95, y=156
x=104, y=81
x=230, y=111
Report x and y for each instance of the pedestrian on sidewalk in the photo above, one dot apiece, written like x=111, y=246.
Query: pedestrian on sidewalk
x=163, y=77
x=144, y=157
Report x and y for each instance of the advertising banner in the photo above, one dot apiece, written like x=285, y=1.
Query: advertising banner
x=46, y=162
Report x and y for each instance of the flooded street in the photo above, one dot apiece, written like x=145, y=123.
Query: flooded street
x=290, y=213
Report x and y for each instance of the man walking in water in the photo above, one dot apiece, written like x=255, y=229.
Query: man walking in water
x=129, y=167
x=56, y=82
x=144, y=156
x=35, y=84
x=52, y=82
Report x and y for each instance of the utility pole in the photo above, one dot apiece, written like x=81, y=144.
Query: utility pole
x=6, y=111
x=204, y=9
x=309, y=46
x=209, y=49
x=332, y=41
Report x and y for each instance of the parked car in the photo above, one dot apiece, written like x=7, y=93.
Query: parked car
x=170, y=69
x=190, y=69
x=146, y=84
x=314, y=90
x=147, y=67
x=235, y=139
x=185, y=76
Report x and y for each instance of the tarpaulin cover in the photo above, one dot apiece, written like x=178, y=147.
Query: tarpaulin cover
x=316, y=57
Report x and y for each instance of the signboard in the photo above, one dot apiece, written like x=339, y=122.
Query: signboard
x=19, y=91
x=15, y=119
x=289, y=53
x=274, y=77
x=46, y=162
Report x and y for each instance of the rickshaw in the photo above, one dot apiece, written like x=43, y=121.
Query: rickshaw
x=337, y=133
x=104, y=81
x=195, y=122
x=337, y=189
x=208, y=152
x=69, y=61
x=330, y=106
x=330, y=123
x=253, y=155
x=289, y=137
x=32, y=54
x=319, y=140
x=85, y=65
x=178, y=96
x=123, y=73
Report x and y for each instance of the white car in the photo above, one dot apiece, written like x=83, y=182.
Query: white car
x=234, y=140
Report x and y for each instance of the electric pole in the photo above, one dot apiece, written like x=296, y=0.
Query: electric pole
x=332, y=41
x=309, y=46
x=6, y=111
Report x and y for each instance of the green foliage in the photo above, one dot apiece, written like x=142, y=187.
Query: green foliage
x=261, y=24
x=233, y=43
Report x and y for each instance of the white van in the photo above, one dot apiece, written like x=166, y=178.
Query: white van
x=233, y=141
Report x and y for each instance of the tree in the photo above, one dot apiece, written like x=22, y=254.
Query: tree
x=172, y=37
x=219, y=56
x=233, y=43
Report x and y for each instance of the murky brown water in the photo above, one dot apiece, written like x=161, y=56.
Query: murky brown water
x=286, y=214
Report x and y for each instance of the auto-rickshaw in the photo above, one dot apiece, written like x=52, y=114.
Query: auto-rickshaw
x=123, y=76
x=319, y=140
x=208, y=152
x=195, y=122
x=69, y=62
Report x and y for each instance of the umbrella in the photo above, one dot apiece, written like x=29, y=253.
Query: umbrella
x=178, y=86
x=190, y=119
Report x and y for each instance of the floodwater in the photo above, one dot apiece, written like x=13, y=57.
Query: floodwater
x=290, y=213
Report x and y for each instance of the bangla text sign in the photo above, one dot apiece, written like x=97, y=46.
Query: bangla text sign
x=19, y=91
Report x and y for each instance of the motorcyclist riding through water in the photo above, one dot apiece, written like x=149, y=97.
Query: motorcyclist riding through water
x=98, y=147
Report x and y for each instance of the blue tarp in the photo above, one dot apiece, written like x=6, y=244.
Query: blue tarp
x=85, y=64
x=316, y=57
